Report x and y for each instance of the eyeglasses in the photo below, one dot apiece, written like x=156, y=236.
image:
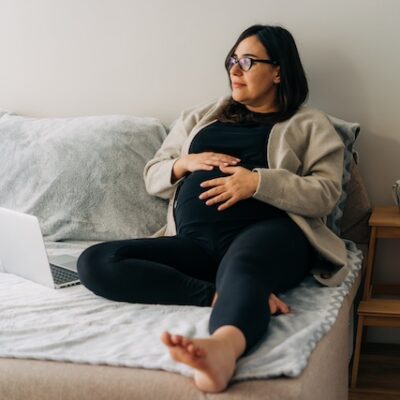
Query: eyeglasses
x=245, y=63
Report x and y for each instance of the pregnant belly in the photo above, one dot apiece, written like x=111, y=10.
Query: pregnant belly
x=190, y=209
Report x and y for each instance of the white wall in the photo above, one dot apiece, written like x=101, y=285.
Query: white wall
x=155, y=58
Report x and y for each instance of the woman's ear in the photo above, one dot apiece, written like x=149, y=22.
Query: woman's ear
x=277, y=75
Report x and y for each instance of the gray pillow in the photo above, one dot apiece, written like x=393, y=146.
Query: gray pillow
x=356, y=213
x=82, y=177
x=348, y=131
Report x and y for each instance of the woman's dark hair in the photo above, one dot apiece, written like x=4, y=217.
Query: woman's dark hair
x=292, y=90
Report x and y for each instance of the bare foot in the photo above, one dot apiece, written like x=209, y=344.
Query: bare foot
x=276, y=305
x=213, y=359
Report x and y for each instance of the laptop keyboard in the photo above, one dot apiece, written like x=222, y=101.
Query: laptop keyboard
x=62, y=275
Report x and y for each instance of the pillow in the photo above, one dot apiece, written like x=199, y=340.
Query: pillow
x=357, y=210
x=82, y=177
x=2, y=112
x=348, y=131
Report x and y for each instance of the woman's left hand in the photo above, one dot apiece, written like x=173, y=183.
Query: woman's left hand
x=228, y=190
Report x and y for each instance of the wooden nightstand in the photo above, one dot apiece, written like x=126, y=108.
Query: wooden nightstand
x=385, y=224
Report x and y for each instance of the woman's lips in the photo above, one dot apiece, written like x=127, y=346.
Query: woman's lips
x=237, y=85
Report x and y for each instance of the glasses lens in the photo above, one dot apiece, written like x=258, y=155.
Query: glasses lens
x=230, y=63
x=245, y=63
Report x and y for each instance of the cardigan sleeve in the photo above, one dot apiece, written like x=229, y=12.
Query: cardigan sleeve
x=157, y=172
x=314, y=190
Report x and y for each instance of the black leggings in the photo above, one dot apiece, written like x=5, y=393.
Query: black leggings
x=243, y=262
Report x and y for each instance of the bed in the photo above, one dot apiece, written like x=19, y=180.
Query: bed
x=33, y=364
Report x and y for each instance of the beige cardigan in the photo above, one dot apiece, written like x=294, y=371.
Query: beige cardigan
x=305, y=159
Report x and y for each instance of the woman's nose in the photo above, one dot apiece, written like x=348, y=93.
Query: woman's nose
x=236, y=70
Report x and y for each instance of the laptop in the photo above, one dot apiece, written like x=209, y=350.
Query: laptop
x=22, y=252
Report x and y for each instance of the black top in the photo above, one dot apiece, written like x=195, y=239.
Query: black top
x=247, y=141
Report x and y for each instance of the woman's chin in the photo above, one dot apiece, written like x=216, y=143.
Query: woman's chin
x=237, y=96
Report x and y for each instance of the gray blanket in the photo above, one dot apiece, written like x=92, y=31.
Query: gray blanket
x=77, y=326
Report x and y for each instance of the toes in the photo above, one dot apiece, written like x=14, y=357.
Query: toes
x=277, y=306
x=191, y=348
x=214, y=299
x=272, y=307
x=179, y=340
x=185, y=341
x=200, y=352
x=166, y=338
x=195, y=351
x=176, y=339
x=283, y=307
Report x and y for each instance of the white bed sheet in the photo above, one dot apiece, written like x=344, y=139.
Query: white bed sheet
x=74, y=325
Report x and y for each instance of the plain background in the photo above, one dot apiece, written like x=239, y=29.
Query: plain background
x=156, y=58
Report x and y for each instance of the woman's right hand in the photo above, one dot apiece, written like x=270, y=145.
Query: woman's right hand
x=200, y=161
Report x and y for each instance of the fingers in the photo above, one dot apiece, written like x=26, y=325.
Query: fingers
x=211, y=193
x=227, y=204
x=218, y=199
x=218, y=195
x=223, y=180
x=212, y=182
x=206, y=167
x=228, y=189
x=216, y=162
x=225, y=158
x=228, y=169
x=208, y=160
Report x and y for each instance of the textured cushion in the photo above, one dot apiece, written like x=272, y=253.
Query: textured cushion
x=82, y=177
x=357, y=210
x=348, y=131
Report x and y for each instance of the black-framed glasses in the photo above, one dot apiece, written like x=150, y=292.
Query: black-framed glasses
x=245, y=63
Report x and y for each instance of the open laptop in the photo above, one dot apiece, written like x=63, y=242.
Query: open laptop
x=22, y=252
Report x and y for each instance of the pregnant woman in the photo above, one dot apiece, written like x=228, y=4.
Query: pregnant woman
x=249, y=179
